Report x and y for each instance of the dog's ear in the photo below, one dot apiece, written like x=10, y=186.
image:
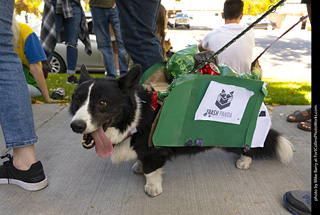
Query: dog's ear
x=84, y=74
x=129, y=81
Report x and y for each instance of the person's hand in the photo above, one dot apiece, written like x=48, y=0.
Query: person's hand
x=53, y=100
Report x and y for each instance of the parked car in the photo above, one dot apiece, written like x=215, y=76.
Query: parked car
x=93, y=62
x=263, y=24
x=247, y=19
x=266, y=24
x=182, y=19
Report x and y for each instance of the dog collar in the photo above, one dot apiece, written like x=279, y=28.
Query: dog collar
x=134, y=130
x=143, y=101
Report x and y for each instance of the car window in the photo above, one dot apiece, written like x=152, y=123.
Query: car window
x=182, y=15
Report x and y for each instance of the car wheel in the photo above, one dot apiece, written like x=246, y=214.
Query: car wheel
x=269, y=27
x=58, y=64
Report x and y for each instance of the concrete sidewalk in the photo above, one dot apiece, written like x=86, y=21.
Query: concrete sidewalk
x=80, y=182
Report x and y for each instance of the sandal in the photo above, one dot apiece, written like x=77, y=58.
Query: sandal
x=306, y=126
x=300, y=116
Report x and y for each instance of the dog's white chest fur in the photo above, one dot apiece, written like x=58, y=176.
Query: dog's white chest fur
x=123, y=152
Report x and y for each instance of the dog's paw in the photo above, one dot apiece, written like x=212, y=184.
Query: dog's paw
x=243, y=162
x=153, y=185
x=137, y=168
x=153, y=190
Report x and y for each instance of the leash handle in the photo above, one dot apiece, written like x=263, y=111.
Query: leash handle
x=239, y=35
x=300, y=20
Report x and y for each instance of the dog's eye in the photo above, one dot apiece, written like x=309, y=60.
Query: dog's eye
x=102, y=103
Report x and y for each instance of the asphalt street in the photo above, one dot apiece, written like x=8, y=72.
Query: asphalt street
x=289, y=59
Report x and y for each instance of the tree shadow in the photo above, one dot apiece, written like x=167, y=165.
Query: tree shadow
x=286, y=50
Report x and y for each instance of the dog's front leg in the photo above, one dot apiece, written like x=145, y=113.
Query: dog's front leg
x=153, y=185
x=243, y=162
x=137, y=167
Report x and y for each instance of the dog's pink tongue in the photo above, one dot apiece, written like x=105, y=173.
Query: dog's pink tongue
x=103, y=145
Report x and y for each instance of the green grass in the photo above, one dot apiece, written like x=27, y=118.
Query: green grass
x=279, y=92
x=60, y=80
x=288, y=93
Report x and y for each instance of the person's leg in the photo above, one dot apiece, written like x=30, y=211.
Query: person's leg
x=24, y=157
x=58, y=20
x=122, y=53
x=309, y=11
x=16, y=115
x=33, y=91
x=137, y=21
x=100, y=17
x=71, y=30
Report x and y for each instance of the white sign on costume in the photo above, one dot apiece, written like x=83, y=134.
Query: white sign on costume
x=223, y=103
x=227, y=103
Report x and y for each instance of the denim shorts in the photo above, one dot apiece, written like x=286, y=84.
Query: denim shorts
x=16, y=116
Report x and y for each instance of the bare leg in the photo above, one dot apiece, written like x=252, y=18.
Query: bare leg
x=24, y=157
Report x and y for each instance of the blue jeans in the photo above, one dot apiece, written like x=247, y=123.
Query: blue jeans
x=138, y=30
x=102, y=17
x=71, y=34
x=16, y=117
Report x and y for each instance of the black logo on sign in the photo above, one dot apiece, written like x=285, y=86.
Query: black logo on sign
x=224, y=100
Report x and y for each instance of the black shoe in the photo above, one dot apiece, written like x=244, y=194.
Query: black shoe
x=72, y=80
x=298, y=202
x=31, y=180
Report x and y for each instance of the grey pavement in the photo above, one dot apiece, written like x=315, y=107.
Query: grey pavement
x=80, y=182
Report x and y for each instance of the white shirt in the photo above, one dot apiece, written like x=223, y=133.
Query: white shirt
x=239, y=54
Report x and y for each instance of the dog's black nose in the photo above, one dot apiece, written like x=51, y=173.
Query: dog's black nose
x=78, y=126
